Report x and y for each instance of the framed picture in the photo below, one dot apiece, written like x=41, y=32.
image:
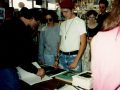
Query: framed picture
x=2, y=13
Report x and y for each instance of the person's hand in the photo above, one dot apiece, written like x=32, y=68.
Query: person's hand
x=41, y=72
x=56, y=62
x=73, y=65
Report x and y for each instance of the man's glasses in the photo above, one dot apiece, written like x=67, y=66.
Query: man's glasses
x=49, y=19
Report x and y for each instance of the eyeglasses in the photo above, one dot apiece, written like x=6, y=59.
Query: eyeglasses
x=91, y=17
x=49, y=19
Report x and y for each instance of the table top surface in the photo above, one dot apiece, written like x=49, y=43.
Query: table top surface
x=46, y=85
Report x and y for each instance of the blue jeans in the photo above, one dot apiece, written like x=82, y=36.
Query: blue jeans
x=66, y=60
x=49, y=59
x=9, y=79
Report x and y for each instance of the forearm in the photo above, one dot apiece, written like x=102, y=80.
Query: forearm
x=83, y=44
x=58, y=49
x=80, y=53
x=57, y=55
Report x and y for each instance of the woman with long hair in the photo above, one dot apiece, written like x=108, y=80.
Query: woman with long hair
x=49, y=39
x=105, y=49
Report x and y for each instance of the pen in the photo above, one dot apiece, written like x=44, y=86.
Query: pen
x=41, y=78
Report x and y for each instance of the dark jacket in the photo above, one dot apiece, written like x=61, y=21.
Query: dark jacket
x=16, y=46
x=102, y=17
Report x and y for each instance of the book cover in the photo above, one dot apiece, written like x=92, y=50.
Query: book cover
x=51, y=71
x=67, y=76
x=86, y=74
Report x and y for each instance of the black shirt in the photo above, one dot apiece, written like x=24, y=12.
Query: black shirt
x=102, y=17
x=16, y=45
x=92, y=31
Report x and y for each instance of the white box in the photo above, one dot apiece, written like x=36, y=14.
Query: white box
x=83, y=80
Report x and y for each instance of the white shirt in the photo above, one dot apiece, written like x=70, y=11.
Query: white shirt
x=70, y=34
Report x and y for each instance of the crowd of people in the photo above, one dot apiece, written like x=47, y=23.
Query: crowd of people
x=72, y=44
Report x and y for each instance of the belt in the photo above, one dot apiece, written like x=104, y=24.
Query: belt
x=70, y=53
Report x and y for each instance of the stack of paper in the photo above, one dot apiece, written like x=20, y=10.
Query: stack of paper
x=83, y=80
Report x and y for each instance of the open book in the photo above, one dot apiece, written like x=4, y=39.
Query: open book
x=31, y=78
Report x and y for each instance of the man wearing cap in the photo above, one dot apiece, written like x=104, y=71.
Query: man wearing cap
x=73, y=38
x=16, y=49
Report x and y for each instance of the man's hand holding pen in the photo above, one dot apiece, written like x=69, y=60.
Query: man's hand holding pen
x=41, y=72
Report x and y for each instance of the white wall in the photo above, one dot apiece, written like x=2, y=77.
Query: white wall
x=28, y=4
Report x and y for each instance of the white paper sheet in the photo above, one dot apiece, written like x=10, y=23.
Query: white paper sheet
x=31, y=78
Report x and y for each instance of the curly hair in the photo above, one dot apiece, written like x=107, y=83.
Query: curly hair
x=52, y=14
x=90, y=12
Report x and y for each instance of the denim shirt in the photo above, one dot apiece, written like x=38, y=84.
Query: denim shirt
x=49, y=39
